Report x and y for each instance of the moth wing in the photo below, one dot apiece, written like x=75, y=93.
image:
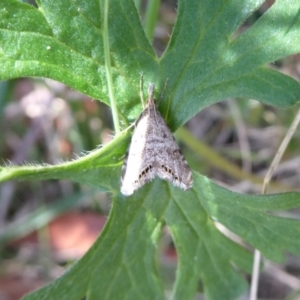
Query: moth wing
x=138, y=167
x=170, y=162
x=177, y=170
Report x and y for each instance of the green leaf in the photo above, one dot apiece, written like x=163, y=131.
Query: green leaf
x=206, y=61
x=101, y=168
x=63, y=41
x=121, y=263
x=206, y=64
x=203, y=63
x=204, y=252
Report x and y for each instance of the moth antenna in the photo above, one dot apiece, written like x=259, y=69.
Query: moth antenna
x=164, y=89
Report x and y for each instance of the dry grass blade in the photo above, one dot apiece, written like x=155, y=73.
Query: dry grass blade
x=271, y=170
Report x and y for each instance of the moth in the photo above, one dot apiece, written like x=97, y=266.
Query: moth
x=153, y=151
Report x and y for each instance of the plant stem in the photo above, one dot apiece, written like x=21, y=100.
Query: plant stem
x=113, y=104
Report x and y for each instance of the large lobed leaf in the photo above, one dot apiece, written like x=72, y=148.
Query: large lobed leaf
x=121, y=264
x=205, y=62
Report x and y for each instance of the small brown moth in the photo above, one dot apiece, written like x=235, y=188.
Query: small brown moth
x=153, y=152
